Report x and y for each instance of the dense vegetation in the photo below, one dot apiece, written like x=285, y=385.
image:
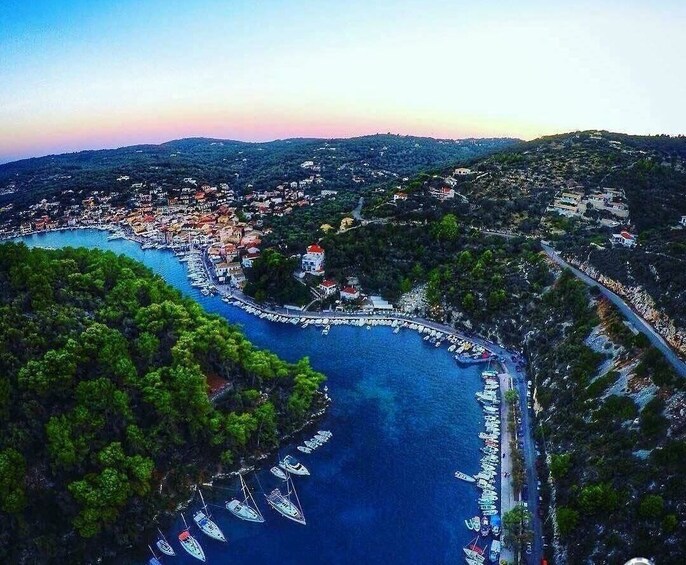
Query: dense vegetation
x=271, y=277
x=618, y=477
x=104, y=401
x=345, y=164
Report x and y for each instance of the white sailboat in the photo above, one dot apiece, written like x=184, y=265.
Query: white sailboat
x=190, y=544
x=163, y=545
x=205, y=522
x=244, y=509
x=153, y=560
x=283, y=504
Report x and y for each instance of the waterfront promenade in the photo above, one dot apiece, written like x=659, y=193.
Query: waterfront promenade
x=507, y=496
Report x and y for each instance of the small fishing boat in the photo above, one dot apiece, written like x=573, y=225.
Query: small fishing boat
x=304, y=449
x=322, y=437
x=163, y=545
x=203, y=519
x=292, y=465
x=283, y=504
x=311, y=445
x=475, y=523
x=326, y=433
x=244, y=509
x=190, y=544
x=278, y=473
x=464, y=477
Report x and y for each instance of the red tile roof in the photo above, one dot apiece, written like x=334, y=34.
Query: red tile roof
x=314, y=248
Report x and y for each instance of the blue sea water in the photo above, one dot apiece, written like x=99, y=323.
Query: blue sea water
x=404, y=419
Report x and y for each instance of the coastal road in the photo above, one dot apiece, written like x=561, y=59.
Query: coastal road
x=639, y=323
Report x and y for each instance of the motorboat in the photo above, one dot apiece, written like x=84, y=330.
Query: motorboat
x=464, y=477
x=292, y=465
x=304, y=449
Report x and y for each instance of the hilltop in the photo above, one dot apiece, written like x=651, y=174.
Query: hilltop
x=333, y=164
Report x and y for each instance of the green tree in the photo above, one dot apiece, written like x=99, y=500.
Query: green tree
x=12, y=474
x=652, y=506
x=567, y=520
x=560, y=465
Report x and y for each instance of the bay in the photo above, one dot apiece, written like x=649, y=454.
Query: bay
x=404, y=419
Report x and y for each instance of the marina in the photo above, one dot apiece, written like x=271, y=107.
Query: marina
x=420, y=417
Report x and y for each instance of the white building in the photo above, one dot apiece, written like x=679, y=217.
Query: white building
x=313, y=261
x=327, y=287
x=624, y=238
x=350, y=293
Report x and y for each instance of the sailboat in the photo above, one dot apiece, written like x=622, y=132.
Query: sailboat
x=190, y=544
x=153, y=560
x=244, y=510
x=163, y=545
x=205, y=523
x=283, y=505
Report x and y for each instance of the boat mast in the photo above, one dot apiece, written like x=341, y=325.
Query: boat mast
x=204, y=504
x=151, y=551
x=248, y=495
x=299, y=506
x=184, y=521
x=162, y=535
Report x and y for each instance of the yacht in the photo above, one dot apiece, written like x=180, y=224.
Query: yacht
x=283, y=505
x=190, y=544
x=206, y=524
x=292, y=465
x=244, y=509
x=163, y=545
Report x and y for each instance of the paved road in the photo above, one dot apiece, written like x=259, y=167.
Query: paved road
x=639, y=323
x=357, y=212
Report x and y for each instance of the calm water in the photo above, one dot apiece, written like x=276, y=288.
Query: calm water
x=404, y=418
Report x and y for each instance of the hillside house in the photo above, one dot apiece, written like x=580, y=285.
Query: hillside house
x=313, y=261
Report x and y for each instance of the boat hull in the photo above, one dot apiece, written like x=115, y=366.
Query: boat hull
x=243, y=511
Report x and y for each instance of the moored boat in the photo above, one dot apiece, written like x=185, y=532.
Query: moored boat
x=246, y=509
x=164, y=546
x=304, y=449
x=207, y=526
x=190, y=544
x=283, y=504
x=278, y=473
x=464, y=477
x=292, y=465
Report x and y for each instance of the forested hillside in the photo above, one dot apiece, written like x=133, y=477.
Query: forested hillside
x=104, y=403
x=344, y=164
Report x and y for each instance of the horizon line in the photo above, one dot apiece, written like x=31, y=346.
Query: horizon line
x=323, y=138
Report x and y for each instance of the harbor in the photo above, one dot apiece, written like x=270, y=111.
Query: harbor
x=402, y=409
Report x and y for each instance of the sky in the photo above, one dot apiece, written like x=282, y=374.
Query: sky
x=88, y=74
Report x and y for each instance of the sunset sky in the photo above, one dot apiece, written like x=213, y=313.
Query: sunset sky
x=100, y=73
